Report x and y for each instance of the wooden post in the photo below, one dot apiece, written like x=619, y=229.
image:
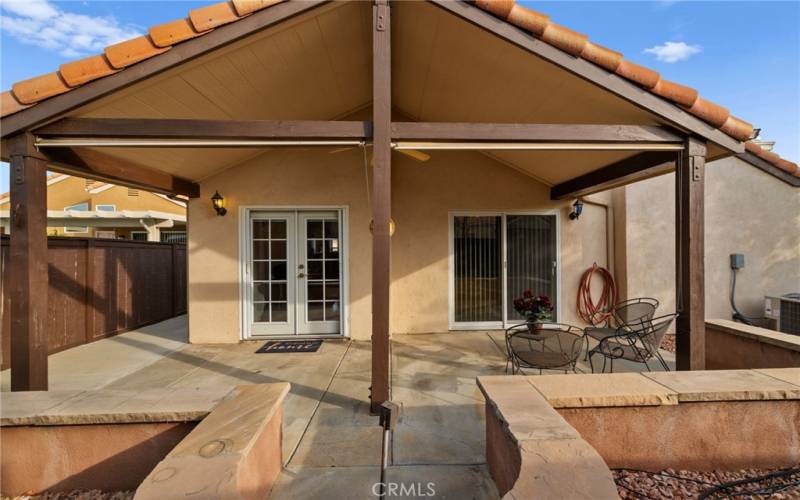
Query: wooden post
x=689, y=249
x=28, y=266
x=381, y=203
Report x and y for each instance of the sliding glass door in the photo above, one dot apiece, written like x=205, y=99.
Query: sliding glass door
x=494, y=259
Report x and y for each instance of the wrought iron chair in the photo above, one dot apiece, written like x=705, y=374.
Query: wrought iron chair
x=552, y=346
x=639, y=344
x=629, y=315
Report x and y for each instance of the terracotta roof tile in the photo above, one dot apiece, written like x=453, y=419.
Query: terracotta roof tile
x=244, y=7
x=85, y=70
x=9, y=104
x=167, y=34
x=738, y=128
x=601, y=56
x=528, y=19
x=39, y=87
x=161, y=37
x=645, y=77
x=681, y=94
x=708, y=111
x=131, y=51
x=564, y=38
x=786, y=165
x=211, y=16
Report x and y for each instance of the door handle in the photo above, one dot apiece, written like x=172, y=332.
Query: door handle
x=301, y=275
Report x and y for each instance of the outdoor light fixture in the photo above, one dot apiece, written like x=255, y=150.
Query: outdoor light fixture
x=219, y=203
x=577, y=209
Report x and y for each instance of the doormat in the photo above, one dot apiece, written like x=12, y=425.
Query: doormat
x=282, y=346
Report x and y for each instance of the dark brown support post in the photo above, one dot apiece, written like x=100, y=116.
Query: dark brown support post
x=381, y=203
x=689, y=233
x=28, y=266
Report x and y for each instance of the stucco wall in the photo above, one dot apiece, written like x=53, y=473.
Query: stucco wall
x=747, y=211
x=423, y=195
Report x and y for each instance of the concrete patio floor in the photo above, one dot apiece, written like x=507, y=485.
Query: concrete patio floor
x=331, y=444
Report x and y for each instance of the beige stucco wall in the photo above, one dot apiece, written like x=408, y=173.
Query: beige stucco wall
x=423, y=195
x=747, y=211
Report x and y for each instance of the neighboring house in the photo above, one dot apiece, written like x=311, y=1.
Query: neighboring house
x=436, y=213
x=750, y=209
x=86, y=208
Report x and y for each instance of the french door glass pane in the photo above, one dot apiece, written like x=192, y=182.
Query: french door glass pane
x=322, y=273
x=477, y=268
x=531, y=253
x=269, y=271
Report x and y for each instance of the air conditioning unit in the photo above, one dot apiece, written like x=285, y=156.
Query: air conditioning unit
x=784, y=312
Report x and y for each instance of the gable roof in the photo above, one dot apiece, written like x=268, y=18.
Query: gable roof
x=162, y=37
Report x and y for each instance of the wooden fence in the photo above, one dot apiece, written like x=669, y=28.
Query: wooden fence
x=102, y=287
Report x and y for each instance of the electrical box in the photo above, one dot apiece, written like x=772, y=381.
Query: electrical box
x=737, y=260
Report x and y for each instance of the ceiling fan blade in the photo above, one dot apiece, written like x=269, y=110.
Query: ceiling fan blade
x=417, y=155
x=340, y=150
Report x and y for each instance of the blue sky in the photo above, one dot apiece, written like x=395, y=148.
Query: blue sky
x=743, y=55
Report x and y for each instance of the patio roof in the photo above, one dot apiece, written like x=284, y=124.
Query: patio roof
x=202, y=21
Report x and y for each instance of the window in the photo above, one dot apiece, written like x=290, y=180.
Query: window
x=139, y=235
x=173, y=236
x=494, y=258
x=79, y=207
x=110, y=235
x=105, y=208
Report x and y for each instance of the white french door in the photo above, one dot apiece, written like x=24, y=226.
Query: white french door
x=494, y=258
x=293, y=273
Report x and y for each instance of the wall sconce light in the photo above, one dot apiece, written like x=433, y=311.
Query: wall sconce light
x=219, y=203
x=577, y=210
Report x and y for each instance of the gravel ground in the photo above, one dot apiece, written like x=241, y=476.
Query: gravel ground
x=672, y=484
x=79, y=495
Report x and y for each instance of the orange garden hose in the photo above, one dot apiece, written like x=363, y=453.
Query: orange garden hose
x=598, y=312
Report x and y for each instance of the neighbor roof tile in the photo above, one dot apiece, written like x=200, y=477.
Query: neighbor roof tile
x=683, y=95
x=645, y=77
x=528, y=19
x=564, y=38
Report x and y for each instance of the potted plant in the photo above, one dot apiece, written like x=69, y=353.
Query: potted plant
x=536, y=309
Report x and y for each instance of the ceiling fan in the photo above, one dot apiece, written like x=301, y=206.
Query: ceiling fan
x=411, y=153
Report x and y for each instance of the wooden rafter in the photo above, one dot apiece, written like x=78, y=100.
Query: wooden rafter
x=132, y=128
x=532, y=132
x=637, y=167
x=94, y=165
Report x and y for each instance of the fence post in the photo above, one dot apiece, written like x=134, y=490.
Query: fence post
x=174, y=279
x=89, y=302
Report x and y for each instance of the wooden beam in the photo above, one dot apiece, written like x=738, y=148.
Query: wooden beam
x=178, y=54
x=28, y=266
x=637, y=167
x=532, y=132
x=132, y=128
x=591, y=73
x=689, y=249
x=93, y=165
x=381, y=203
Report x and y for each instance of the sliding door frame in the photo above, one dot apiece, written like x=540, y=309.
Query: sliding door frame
x=505, y=322
x=343, y=212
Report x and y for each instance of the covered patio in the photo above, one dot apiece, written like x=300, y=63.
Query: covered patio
x=331, y=447
x=195, y=108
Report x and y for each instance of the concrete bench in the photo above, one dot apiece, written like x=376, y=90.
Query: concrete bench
x=124, y=440
x=556, y=435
